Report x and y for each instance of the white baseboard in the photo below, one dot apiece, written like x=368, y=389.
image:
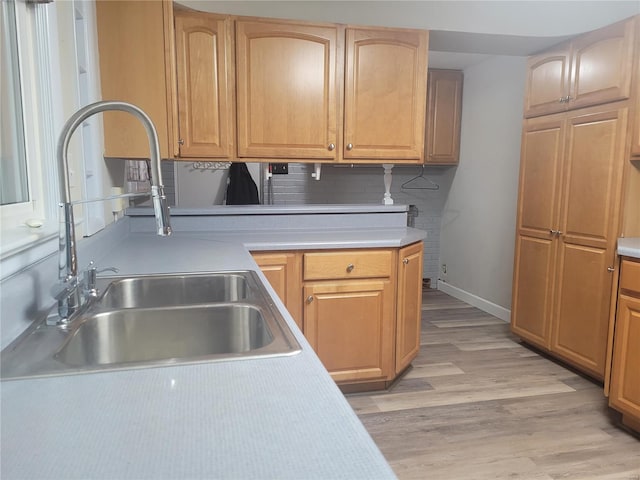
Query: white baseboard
x=478, y=302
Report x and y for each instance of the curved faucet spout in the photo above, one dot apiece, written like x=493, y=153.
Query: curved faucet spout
x=68, y=264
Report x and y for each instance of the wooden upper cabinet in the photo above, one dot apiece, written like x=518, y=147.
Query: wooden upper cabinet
x=287, y=87
x=444, y=111
x=547, y=82
x=635, y=137
x=602, y=65
x=135, y=43
x=205, y=85
x=593, y=69
x=385, y=95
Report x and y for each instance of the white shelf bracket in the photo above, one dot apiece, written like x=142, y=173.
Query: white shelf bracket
x=387, y=200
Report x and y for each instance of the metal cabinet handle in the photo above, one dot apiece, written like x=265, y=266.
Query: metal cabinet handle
x=405, y=261
x=310, y=299
x=350, y=267
x=181, y=142
x=610, y=269
x=349, y=146
x=332, y=146
x=555, y=232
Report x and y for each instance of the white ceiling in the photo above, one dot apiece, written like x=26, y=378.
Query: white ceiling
x=474, y=29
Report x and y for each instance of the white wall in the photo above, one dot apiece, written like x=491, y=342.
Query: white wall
x=478, y=223
x=365, y=184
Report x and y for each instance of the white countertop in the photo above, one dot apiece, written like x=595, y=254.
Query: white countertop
x=263, y=418
x=629, y=247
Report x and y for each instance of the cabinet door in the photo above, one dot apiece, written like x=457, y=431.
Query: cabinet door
x=283, y=271
x=635, y=137
x=594, y=158
x=350, y=324
x=538, y=219
x=205, y=85
x=602, y=65
x=547, y=82
x=409, y=310
x=625, y=373
x=135, y=40
x=444, y=111
x=385, y=95
x=287, y=78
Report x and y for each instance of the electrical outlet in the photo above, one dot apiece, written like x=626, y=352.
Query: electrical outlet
x=279, y=168
x=444, y=268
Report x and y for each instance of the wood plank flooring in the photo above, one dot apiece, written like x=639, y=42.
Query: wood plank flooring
x=479, y=405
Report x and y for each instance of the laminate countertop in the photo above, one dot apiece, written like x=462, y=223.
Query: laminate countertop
x=268, y=418
x=629, y=247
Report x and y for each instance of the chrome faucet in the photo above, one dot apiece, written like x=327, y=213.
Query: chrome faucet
x=70, y=298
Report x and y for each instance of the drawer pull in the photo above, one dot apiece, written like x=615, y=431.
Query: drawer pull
x=350, y=267
x=405, y=261
x=310, y=299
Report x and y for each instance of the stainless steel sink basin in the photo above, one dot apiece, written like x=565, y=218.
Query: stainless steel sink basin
x=157, y=320
x=170, y=290
x=149, y=335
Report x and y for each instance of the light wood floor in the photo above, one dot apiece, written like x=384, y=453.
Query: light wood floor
x=479, y=405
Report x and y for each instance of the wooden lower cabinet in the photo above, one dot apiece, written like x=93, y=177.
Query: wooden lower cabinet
x=624, y=394
x=409, y=309
x=360, y=309
x=350, y=325
x=282, y=269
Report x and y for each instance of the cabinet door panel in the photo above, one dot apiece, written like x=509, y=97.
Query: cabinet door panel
x=582, y=309
x=134, y=38
x=547, y=82
x=540, y=170
x=350, y=326
x=602, y=65
x=592, y=183
x=533, y=289
x=409, y=310
x=625, y=375
x=385, y=94
x=287, y=90
x=283, y=271
x=205, y=106
x=444, y=115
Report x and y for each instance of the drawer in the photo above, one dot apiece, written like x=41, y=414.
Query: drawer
x=630, y=276
x=347, y=264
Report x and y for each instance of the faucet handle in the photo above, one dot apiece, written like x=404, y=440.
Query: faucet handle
x=91, y=277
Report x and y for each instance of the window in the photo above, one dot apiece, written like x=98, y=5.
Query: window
x=14, y=187
x=48, y=71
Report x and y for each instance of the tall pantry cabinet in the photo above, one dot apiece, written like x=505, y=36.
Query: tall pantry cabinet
x=570, y=205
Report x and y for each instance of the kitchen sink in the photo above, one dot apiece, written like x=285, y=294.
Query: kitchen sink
x=150, y=335
x=157, y=320
x=170, y=290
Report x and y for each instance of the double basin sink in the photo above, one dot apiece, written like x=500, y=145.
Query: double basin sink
x=144, y=321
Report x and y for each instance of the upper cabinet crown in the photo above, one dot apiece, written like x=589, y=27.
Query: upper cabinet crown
x=593, y=69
